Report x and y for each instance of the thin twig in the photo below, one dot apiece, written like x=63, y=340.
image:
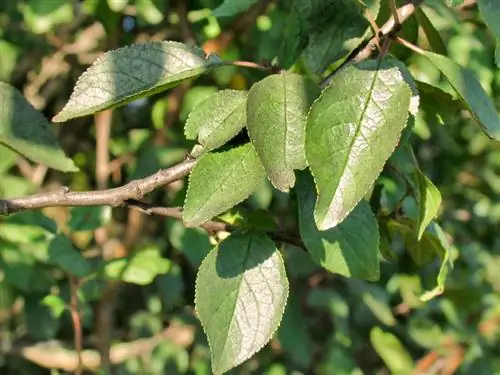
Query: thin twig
x=387, y=30
x=77, y=322
x=212, y=225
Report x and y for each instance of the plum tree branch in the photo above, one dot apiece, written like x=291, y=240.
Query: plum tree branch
x=389, y=29
x=109, y=197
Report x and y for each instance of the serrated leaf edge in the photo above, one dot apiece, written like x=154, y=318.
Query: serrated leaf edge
x=161, y=85
x=282, y=263
x=320, y=227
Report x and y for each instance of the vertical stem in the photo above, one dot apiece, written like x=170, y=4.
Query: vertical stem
x=77, y=322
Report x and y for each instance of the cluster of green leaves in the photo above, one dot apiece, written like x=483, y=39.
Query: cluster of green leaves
x=326, y=147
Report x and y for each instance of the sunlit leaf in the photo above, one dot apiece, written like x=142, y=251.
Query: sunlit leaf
x=470, y=91
x=132, y=72
x=27, y=131
x=241, y=293
x=392, y=351
x=217, y=119
x=141, y=268
x=351, y=248
x=352, y=129
x=429, y=200
x=219, y=181
x=277, y=109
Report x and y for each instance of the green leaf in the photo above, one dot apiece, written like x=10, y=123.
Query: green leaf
x=117, y=5
x=390, y=349
x=277, y=109
x=141, y=268
x=241, y=293
x=446, y=264
x=352, y=129
x=490, y=10
x=351, y=249
x=232, y=7
x=219, y=181
x=336, y=29
x=430, y=31
x=132, y=72
x=55, y=303
x=89, y=218
x=63, y=254
x=27, y=131
x=295, y=37
x=470, y=91
x=149, y=12
x=217, y=119
x=42, y=16
x=429, y=200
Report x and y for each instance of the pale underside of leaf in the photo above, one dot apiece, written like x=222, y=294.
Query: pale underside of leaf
x=241, y=293
x=352, y=130
x=131, y=72
x=219, y=181
x=350, y=249
x=277, y=108
x=27, y=131
x=470, y=91
x=217, y=119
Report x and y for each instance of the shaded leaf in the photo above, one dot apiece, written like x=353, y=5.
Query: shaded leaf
x=27, y=131
x=277, y=108
x=490, y=10
x=217, y=119
x=352, y=129
x=232, y=7
x=132, y=72
x=89, y=218
x=470, y=91
x=241, y=293
x=335, y=29
x=392, y=351
x=350, y=249
x=63, y=254
x=430, y=31
x=296, y=36
x=219, y=181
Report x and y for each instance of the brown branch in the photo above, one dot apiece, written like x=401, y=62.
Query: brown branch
x=77, y=323
x=110, y=197
x=212, y=225
x=389, y=29
x=54, y=355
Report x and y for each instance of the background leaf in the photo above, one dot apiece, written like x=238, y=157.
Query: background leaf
x=132, y=72
x=232, y=7
x=394, y=354
x=277, y=109
x=27, y=131
x=247, y=273
x=352, y=129
x=470, y=91
x=219, y=181
x=217, y=119
x=490, y=10
x=350, y=249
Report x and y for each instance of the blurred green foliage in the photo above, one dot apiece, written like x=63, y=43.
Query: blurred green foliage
x=332, y=325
